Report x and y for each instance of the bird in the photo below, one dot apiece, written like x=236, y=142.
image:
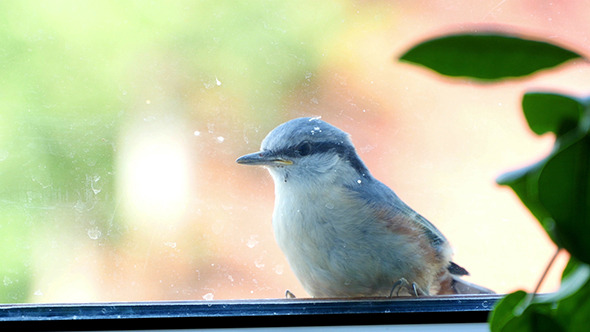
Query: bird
x=344, y=233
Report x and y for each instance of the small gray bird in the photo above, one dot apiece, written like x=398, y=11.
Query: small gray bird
x=345, y=234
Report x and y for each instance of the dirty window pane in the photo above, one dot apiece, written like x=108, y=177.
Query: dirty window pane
x=120, y=123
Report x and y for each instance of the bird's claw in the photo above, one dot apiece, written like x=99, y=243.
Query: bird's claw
x=412, y=288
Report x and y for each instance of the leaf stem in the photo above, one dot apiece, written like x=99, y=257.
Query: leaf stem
x=546, y=271
x=531, y=296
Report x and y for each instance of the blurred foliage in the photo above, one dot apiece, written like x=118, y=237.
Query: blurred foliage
x=556, y=189
x=73, y=72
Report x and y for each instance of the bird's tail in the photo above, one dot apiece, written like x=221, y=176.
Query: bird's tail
x=450, y=282
x=460, y=286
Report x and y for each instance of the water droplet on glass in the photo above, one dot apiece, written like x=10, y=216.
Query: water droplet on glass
x=170, y=244
x=208, y=296
x=279, y=269
x=258, y=263
x=7, y=281
x=252, y=241
x=197, y=133
x=359, y=181
x=96, y=187
x=80, y=206
x=220, y=139
x=94, y=233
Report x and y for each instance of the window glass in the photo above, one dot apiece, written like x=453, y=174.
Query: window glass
x=120, y=123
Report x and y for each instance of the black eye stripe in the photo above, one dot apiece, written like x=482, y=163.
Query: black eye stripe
x=345, y=151
x=309, y=148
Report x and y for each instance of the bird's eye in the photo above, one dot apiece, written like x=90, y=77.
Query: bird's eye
x=304, y=148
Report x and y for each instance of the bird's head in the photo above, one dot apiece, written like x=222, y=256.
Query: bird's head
x=307, y=149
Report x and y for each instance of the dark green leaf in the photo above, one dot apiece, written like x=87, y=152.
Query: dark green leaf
x=524, y=182
x=574, y=311
x=536, y=318
x=487, y=56
x=551, y=112
x=564, y=191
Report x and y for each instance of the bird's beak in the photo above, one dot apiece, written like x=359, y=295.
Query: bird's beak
x=263, y=158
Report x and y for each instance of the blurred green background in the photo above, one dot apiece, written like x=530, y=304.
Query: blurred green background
x=120, y=122
x=73, y=72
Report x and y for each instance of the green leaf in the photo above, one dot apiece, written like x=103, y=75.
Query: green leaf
x=571, y=283
x=524, y=182
x=551, y=112
x=569, y=307
x=504, y=310
x=564, y=190
x=573, y=306
x=487, y=56
x=574, y=311
x=536, y=318
x=514, y=313
x=571, y=266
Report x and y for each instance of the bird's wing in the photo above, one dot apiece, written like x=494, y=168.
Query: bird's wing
x=435, y=236
x=391, y=207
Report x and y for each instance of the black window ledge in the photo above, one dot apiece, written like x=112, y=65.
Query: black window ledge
x=246, y=313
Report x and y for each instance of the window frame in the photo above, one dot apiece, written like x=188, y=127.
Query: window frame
x=247, y=313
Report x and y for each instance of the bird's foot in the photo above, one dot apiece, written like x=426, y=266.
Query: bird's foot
x=412, y=288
